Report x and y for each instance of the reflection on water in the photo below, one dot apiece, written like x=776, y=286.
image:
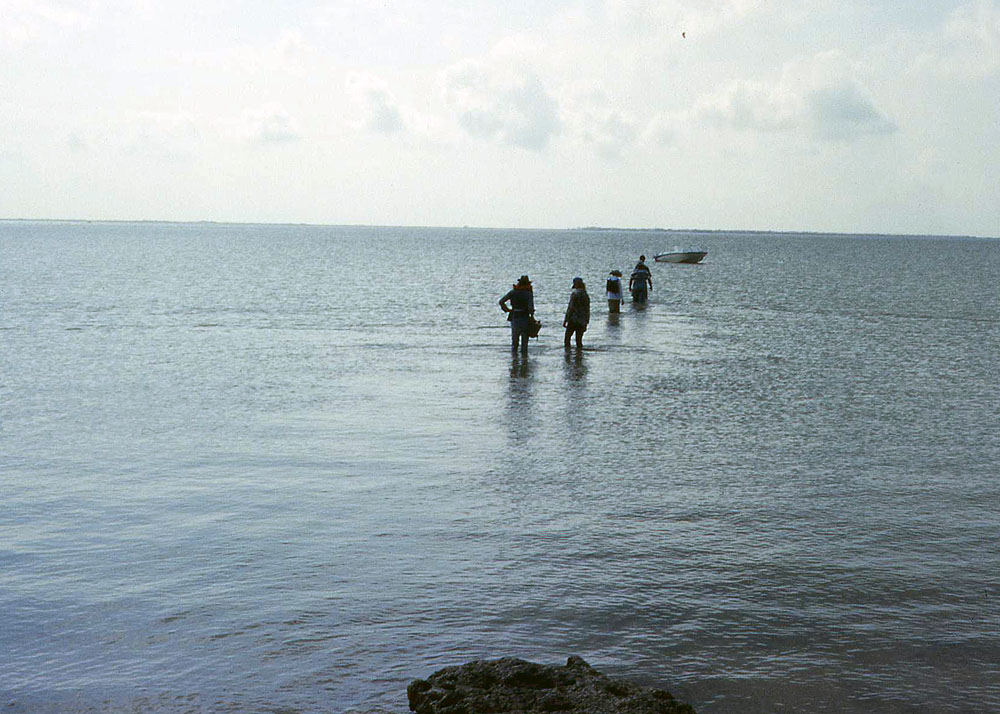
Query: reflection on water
x=520, y=368
x=574, y=365
x=520, y=393
x=577, y=410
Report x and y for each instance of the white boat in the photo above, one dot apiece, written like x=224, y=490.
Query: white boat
x=682, y=256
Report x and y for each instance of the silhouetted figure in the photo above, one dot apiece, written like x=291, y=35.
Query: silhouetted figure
x=520, y=313
x=577, y=313
x=640, y=282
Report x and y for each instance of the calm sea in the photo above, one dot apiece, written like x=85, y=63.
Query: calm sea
x=288, y=469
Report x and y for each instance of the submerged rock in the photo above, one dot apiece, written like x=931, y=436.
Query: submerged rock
x=513, y=686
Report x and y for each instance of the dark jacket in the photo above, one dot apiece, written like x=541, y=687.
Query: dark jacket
x=578, y=311
x=522, y=302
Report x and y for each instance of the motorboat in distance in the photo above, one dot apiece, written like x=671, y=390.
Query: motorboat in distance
x=685, y=256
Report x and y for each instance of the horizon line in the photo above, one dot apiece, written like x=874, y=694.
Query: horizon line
x=594, y=228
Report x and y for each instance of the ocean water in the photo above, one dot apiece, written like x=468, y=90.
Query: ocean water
x=290, y=468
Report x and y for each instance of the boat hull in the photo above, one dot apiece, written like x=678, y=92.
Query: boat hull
x=691, y=256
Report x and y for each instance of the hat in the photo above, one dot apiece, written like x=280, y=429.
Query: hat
x=523, y=280
x=577, y=281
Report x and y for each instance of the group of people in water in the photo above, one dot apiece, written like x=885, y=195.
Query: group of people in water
x=519, y=304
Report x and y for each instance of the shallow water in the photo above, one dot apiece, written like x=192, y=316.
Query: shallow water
x=291, y=468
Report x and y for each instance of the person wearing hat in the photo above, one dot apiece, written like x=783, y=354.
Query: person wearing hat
x=614, y=288
x=521, y=312
x=577, y=313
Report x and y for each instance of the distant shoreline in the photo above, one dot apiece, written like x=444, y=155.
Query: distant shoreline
x=591, y=229
x=775, y=232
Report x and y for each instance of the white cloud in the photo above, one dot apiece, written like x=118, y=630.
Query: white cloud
x=76, y=143
x=612, y=134
x=182, y=135
x=843, y=112
x=508, y=103
x=429, y=130
x=967, y=46
x=286, y=55
x=290, y=45
x=661, y=130
x=10, y=153
x=594, y=120
x=165, y=135
x=269, y=124
x=15, y=35
x=820, y=97
x=23, y=22
x=752, y=105
x=376, y=109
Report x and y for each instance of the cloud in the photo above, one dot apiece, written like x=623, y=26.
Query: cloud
x=76, y=143
x=376, y=109
x=843, y=113
x=10, y=153
x=752, y=105
x=291, y=46
x=509, y=104
x=23, y=22
x=15, y=35
x=611, y=134
x=967, y=46
x=661, y=130
x=180, y=135
x=286, y=55
x=165, y=135
x=593, y=119
x=819, y=97
x=976, y=27
x=269, y=124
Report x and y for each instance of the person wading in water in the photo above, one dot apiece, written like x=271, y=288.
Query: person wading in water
x=614, y=290
x=520, y=313
x=577, y=313
x=640, y=282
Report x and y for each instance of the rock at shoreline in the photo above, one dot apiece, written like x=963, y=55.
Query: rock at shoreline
x=513, y=686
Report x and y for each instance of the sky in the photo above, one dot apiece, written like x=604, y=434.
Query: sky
x=874, y=116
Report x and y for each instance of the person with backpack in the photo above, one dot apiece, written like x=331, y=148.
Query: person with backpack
x=614, y=290
x=640, y=282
